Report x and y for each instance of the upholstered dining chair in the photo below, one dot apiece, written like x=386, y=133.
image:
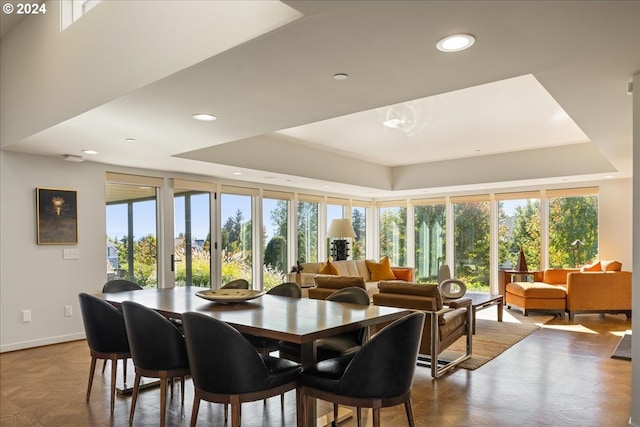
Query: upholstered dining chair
x=229, y=370
x=267, y=345
x=120, y=285
x=106, y=336
x=379, y=375
x=158, y=350
x=339, y=345
x=286, y=289
x=236, y=284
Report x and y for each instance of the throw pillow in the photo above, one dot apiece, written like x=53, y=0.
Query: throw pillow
x=403, y=274
x=596, y=266
x=380, y=270
x=614, y=265
x=328, y=268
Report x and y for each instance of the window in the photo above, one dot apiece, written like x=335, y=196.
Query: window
x=573, y=216
x=519, y=227
x=275, y=220
x=132, y=228
x=430, y=238
x=359, y=222
x=192, y=231
x=72, y=10
x=308, y=231
x=237, y=237
x=471, y=229
x=393, y=226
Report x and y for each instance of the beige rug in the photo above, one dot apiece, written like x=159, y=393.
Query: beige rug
x=493, y=338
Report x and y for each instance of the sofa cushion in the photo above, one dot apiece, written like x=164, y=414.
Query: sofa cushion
x=536, y=290
x=396, y=287
x=556, y=276
x=613, y=265
x=328, y=268
x=596, y=266
x=346, y=268
x=380, y=270
x=363, y=270
x=339, y=282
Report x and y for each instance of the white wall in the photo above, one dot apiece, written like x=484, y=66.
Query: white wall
x=616, y=221
x=38, y=278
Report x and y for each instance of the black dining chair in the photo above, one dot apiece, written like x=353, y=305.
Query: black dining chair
x=120, y=285
x=229, y=370
x=106, y=336
x=286, y=289
x=379, y=375
x=158, y=350
x=236, y=284
x=267, y=345
x=339, y=345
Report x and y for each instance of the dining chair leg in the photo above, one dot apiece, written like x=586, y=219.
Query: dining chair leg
x=409, y=411
x=134, y=397
x=358, y=415
x=124, y=370
x=114, y=369
x=104, y=365
x=376, y=417
x=334, y=423
x=194, y=410
x=300, y=407
x=282, y=403
x=182, y=391
x=226, y=412
x=235, y=411
x=163, y=399
x=91, y=371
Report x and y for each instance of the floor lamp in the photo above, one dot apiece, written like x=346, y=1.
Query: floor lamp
x=339, y=230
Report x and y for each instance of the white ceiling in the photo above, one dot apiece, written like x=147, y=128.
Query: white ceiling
x=540, y=99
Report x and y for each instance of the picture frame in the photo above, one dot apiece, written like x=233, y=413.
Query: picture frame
x=56, y=216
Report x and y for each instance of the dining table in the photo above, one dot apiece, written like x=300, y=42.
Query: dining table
x=298, y=320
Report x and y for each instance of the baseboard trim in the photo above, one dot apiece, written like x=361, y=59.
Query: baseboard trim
x=22, y=345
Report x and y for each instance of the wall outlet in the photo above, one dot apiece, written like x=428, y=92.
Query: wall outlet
x=26, y=316
x=68, y=311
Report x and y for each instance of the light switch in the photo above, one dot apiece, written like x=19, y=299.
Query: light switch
x=71, y=253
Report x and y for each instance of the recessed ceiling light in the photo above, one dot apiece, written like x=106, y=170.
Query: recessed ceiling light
x=325, y=186
x=130, y=140
x=340, y=76
x=610, y=176
x=455, y=42
x=236, y=173
x=205, y=117
x=89, y=151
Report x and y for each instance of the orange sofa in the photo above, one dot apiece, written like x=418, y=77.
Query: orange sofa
x=573, y=291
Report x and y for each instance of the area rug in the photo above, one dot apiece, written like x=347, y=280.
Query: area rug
x=623, y=349
x=491, y=339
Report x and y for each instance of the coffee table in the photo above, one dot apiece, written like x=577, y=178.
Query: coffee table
x=482, y=300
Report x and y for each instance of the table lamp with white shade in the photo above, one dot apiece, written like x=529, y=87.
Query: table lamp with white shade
x=339, y=231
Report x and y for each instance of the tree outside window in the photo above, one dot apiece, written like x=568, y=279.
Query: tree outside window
x=571, y=219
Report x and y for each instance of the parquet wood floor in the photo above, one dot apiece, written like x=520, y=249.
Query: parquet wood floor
x=561, y=375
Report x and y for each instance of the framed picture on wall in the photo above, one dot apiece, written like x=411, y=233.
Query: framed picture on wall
x=57, y=216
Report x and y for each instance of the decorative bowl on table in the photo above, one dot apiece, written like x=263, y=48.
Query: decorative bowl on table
x=229, y=295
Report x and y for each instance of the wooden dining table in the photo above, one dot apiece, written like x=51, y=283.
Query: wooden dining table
x=298, y=320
